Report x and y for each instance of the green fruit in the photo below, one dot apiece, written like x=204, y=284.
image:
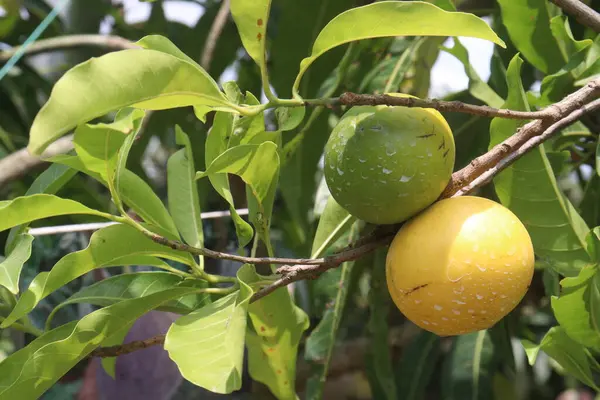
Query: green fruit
x=385, y=164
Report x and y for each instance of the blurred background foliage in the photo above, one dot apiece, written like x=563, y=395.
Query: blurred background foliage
x=372, y=334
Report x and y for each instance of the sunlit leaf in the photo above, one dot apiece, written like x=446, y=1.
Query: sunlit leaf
x=334, y=222
x=114, y=245
x=10, y=267
x=251, y=19
x=392, y=18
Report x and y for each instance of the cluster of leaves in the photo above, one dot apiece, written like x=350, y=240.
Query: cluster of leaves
x=218, y=320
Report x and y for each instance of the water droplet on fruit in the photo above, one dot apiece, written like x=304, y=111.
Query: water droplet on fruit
x=425, y=322
x=405, y=178
x=444, y=319
x=417, y=301
x=479, y=297
x=438, y=307
x=390, y=151
x=361, y=160
x=386, y=171
x=456, y=312
x=470, y=311
x=458, y=302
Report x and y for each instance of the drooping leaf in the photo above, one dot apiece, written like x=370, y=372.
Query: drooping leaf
x=417, y=365
x=38, y=206
x=251, y=19
x=334, y=222
x=10, y=267
x=380, y=19
x=528, y=25
x=470, y=368
x=216, y=144
x=321, y=342
x=278, y=325
x=577, y=308
x=130, y=286
x=573, y=357
x=529, y=189
x=140, y=78
x=184, y=202
x=477, y=87
x=133, y=191
x=590, y=204
x=208, y=344
x=114, y=245
x=29, y=372
x=382, y=374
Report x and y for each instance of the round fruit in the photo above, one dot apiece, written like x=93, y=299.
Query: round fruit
x=460, y=266
x=384, y=164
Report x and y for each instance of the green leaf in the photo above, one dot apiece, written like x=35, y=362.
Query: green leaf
x=381, y=19
x=379, y=352
x=184, y=203
x=216, y=144
x=114, y=245
x=130, y=286
x=573, y=357
x=208, y=344
x=146, y=79
x=417, y=365
x=577, y=307
x=10, y=267
x=334, y=222
x=273, y=343
x=529, y=189
x=321, y=342
x=528, y=25
x=470, y=367
x=251, y=19
x=29, y=372
x=477, y=87
x=590, y=204
x=133, y=191
x=257, y=165
x=48, y=182
x=103, y=148
x=38, y=206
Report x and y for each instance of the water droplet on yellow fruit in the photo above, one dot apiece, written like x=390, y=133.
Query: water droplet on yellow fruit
x=434, y=253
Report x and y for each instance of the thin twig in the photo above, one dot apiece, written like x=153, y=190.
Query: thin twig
x=531, y=144
x=127, y=348
x=213, y=35
x=353, y=99
x=582, y=13
x=71, y=41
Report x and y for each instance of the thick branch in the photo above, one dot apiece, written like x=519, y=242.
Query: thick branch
x=67, y=42
x=490, y=159
x=582, y=13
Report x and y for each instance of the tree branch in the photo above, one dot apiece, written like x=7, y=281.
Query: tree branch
x=119, y=350
x=582, y=13
x=213, y=35
x=67, y=42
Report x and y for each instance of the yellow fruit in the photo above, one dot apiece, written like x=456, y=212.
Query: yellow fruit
x=460, y=266
x=385, y=164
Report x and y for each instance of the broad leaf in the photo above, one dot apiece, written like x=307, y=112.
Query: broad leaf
x=417, y=365
x=25, y=209
x=573, y=357
x=114, y=245
x=392, y=18
x=184, y=203
x=470, y=368
x=48, y=182
x=529, y=189
x=147, y=79
x=208, y=344
x=528, y=25
x=134, y=192
x=334, y=222
x=10, y=267
x=29, y=372
x=278, y=325
x=577, y=308
x=251, y=19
